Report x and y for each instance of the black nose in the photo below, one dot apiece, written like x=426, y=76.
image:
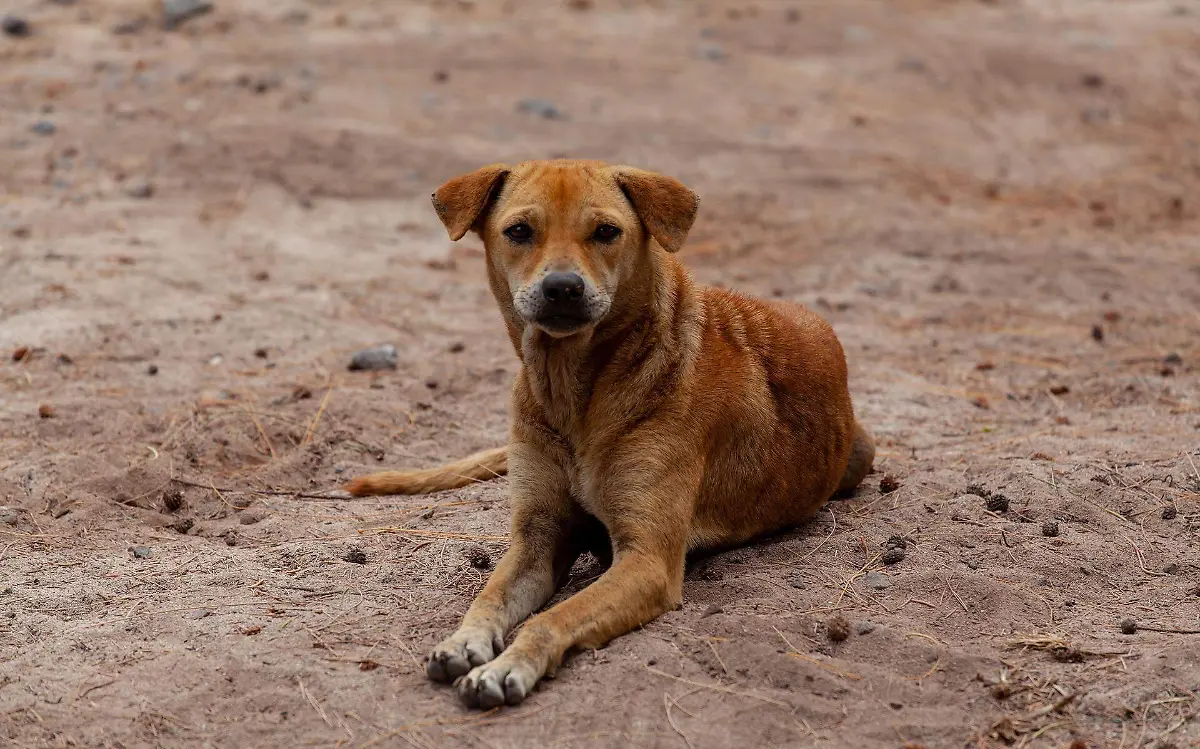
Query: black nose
x=562, y=287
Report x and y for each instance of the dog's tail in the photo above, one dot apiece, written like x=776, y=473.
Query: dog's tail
x=482, y=466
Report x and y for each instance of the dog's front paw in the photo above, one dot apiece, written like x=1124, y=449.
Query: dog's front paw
x=507, y=680
x=460, y=652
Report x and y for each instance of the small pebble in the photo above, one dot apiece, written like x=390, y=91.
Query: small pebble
x=152, y=370
x=231, y=537
x=894, y=555
x=837, y=628
x=374, y=359
x=1171, y=569
x=864, y=628
x=711, y=610
x=261, y=353
x=44, y=127
x=176, y=12
x=896, y=542
x=15, y=26
x=46, y=411
x=183, y=526
x=140, y=552
x=355, y=556
x=140, y=189
x=1050, y=528
x=9, y=516
x=198, y=614
x=457, y=347
x=877, y=581
x=1169, y=513
x=714, y=52
x=1173, y=359
x=543, y=108
x=1097, y=333
x=132, y=26
x=1129, y=627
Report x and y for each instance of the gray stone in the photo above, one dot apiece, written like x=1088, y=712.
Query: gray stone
x=140, y=552
x=374, y=359
x=176, y=12
x=864, y=628
x=877, y=581
x=44, y=127
x=9, y=515
x=140, y=189
x=16, y=26
x=543, y=108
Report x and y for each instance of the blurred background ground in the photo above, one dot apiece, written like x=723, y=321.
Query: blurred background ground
x=995, y=204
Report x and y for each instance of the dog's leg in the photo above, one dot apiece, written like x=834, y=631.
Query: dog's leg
x=645, y=580
x=548, y=535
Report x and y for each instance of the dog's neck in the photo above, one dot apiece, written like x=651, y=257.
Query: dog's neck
x=645, y=336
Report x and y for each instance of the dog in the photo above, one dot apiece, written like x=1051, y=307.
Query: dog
x=651, y=416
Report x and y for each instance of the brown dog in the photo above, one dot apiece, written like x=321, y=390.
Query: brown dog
x=651, y=416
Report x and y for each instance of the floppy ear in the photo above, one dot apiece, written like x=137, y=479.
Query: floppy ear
x=462, y=201
x=666, y=208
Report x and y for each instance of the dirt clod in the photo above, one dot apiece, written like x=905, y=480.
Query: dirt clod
x=711, y=610
x=46, y=411
x=1097, y=333
x=889, y=484
x=1129, y=627
x=183, y=525
x=997, y=503
x=172, y=500
x=837, y=628
x=355, y=556
x=978, y=490
x=1169, y=513
x=1050, y=528
x=479, y=558
x=894, y=555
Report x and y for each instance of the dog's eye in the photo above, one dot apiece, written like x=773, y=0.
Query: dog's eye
x=519, y=233
x=606, y=233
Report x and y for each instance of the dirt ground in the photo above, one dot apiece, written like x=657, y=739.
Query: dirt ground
x=995, y=203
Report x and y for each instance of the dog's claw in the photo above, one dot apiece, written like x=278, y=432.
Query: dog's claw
x=458, y=654
x=495, y=684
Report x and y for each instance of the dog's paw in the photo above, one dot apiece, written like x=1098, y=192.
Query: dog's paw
x=460, y=652
x=504, y=681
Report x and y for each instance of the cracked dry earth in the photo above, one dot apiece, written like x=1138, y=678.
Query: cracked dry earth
x=995, y=203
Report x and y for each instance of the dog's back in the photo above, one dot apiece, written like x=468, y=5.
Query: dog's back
x=774, y=407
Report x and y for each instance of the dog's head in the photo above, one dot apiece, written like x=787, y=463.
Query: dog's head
x=563, y=237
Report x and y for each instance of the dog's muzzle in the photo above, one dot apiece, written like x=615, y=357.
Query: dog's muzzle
x=563, y=305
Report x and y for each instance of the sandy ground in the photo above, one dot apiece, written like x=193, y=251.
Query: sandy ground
x=995, y=203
